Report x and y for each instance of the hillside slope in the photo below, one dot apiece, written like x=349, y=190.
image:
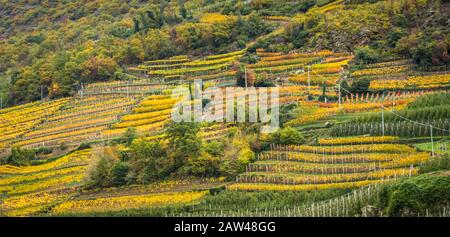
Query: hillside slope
x=88, y=91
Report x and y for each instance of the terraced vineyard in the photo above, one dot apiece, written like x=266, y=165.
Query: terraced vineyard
x=360, y=88
x=126, y=202
x=214, y=68
x=138, y=87
x=17, y=121
x=302, y=68
x=32, y=189
x=53, y=186
x=314, y=111
x=103, y=112
x=401, y=75
x=157, y=195
x=334, y=163
x=83, y=119
x=215, y=132
x=152, y=113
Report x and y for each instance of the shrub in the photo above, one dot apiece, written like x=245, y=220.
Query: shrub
x=214, y=148
x=84, y=145
x=246, y=156
x=286, y=136
x=63, y=146
x=440, y=163
x=231, y=167
x=264, y=82
x=44, y=150
x=217, y=190
x=416, y=195
x=119, y=173
x=129, y=136
x=184, y=143
x=148, y=160
x=100, y=173
x=426, y=48
x=203, y=166
x=366, y=55
x=21, y=157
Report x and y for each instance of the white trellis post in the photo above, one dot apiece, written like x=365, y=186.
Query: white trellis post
x=309, y=79
x=81, y=91
x=340, y=96
x=432, y=141
x=382, y=119
x=245, y=74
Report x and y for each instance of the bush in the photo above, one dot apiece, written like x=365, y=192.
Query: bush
x=231, y=167
x=416, y=195
x=217, y=190
x=119, y=173
x=287, y=113
x=426, y=48
x=214, y=148
x=84, y=145
x=286, y=136
x=246, y=156
x=128, y=137
x=44, y=150
x=264, y=82
x=361, y=85
x=203, y=166
x=148, y=160
x=432, y=51
x=394, y=36
x=183, y=142
x=21, y=157
x=63, y=146
x=366, y=55
x=100, y=173
x=404, y=201
x=440, y=163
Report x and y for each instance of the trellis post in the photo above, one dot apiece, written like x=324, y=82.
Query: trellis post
x=382, y=119
x=432, y=140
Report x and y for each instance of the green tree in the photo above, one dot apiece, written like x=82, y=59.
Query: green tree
x=129, y=136
x=21, y=157
x=99, y=68
x=366, y=55
x=182, y=9
x=286, y=136
x=157, y=44
x=203, y=166
x=214, y=148
x=148, y=160
x=100, y=174
x=183, y=143
x=119, y=173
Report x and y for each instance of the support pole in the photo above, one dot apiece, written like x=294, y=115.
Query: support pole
x=393, y=100
x=128, y=90
x=432, y=140
x=340, y=96
x=245, y=74
x=81, y=91
x=382, y=119
x=309, y=79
